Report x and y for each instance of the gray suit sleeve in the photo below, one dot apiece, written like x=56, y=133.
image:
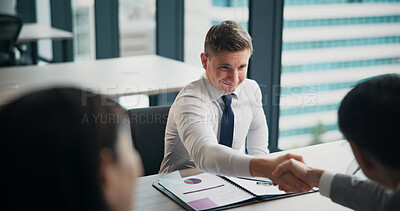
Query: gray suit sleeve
x=358, y=194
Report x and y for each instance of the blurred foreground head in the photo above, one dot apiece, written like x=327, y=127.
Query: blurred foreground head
x=369, y=117
x=67, y=149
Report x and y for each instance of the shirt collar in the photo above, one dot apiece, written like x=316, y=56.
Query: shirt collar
x=215, y=94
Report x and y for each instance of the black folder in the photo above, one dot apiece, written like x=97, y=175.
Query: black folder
x=255, y=199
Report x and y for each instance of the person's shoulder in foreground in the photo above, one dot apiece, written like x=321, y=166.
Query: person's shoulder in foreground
x=369, y=118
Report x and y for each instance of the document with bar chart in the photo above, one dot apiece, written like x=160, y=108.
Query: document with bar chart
x=213, y=192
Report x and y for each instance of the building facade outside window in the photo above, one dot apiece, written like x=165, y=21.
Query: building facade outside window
x=137, y=36
x=201, y=15
x=137, y=27
x=329, y=46
x=84, y=30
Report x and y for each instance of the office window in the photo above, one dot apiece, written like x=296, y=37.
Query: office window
x=83, y=29
x=43, y=18
x=137, y=36
x=201, y=15
x=137, y=27
x=328, y=46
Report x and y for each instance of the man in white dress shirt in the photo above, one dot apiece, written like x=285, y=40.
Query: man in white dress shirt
x=215, y=117
x=369, y=117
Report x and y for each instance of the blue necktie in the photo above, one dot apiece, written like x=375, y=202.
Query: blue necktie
x=227, y=120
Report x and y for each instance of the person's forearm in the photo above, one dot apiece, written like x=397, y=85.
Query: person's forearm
x=260, y=167
x=215, y=158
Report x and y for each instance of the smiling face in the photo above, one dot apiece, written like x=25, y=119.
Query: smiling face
x=226, y=70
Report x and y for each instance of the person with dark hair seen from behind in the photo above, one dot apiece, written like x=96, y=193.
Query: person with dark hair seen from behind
x=65, y=150
x=369, y=118
x=217, y=117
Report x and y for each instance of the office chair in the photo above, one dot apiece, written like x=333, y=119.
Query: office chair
x=10, y=27
x=148, y=131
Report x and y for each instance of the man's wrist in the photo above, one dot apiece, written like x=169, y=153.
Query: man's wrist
x=315, y=176
x=259, y=167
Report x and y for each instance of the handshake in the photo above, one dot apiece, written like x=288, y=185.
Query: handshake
x=288, y=171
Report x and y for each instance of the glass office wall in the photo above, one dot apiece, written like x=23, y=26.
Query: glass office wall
x=137, y=27
x=201, y=15
x=84, y=30
x=137, y=36
x=328, y=46
x=43, y=18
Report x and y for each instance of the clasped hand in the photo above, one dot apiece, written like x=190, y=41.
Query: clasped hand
x=288, y=171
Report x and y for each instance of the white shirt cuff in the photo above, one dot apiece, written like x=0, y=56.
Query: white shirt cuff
x=242, y=165
x=325, y=183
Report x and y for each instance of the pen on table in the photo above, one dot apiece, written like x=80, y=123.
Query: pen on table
x=357, y=169
x=255, y=179
x=262, y=181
